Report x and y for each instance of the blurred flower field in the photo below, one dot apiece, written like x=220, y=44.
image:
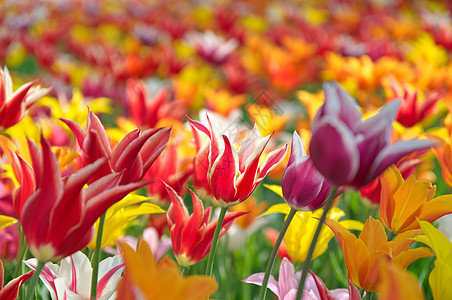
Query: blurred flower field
x=225, y=149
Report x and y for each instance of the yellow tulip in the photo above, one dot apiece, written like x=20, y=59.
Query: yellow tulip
x=441, y=275
x=301, y=230
x=120, y=216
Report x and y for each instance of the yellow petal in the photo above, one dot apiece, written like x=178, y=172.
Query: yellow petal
x=278, y=208
x=6, y=221
x=275, y=188
x=435, y=240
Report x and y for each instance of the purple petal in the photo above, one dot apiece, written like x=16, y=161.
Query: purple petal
x=338, y=104
x=392, y=154
x=301, y=183
x=334, y=151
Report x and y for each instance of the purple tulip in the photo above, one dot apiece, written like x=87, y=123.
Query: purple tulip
x=352, y=152
x=304, y=188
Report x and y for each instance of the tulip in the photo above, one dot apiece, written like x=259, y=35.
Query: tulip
x=134, y=154
x=301, y=230
x=398, y=284
x=43, y=200
x=11, y=290
x=352, y=152
x=233, y=175
x=441, y=275
x=192, y=235
x=364, y=254
x=69, y=279
x=303, y=187
x=159, y=281
x=286, y=287
x=402, y=202
x=412, y=110
x=14, y=105
x=147, y=111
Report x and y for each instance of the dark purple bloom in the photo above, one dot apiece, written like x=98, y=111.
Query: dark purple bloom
x=352, y=152
x=304, y=188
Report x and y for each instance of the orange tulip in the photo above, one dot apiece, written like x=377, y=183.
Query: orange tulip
x=397, y=284
x=401, y=202
x=162, y=280
x=363, y=255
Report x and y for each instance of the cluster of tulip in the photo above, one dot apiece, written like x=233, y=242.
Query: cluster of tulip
x=135, y=172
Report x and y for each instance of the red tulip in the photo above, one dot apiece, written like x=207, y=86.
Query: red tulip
x=233, y=175
x=191, y=235
x=13, y=105
x=57, y=215
x=134, y=154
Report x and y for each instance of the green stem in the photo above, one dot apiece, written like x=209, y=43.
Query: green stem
x=20, y=253
x=34, y=280
x=272, y=258
x=96, y=257
x=213, y=247
x=391, y=235
x=307, y=262
x=368, y=295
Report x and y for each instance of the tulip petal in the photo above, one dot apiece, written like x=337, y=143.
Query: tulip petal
x=223, y=172
x=258, y=278
x=271, y=161
x=436, y=208
x=11, y=290
x=334, y=151
x=338, y=104
x=392, y=154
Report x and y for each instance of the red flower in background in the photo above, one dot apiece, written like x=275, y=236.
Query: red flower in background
x=412, y=110
x=133, y=155
x=14, y=105
x=147, y=111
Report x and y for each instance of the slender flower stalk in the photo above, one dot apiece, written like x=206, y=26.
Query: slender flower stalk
x=34, y=280
x=307, y=262
x=20, y=253
x=213, y=248
x=271, y=261
x=96, y=257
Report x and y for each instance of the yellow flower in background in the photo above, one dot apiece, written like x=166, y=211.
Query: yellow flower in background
x=301, y=230
x=311, y=101
x=403, y=202
x=122, y=215
x=6, y=221
x=159, y=281
x=266, y=119
x=75, y=109
x=427, y=51
x=222, y=101
x=441, y=276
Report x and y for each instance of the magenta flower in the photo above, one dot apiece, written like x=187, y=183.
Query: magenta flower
x=352, y=152
x=304, y=188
